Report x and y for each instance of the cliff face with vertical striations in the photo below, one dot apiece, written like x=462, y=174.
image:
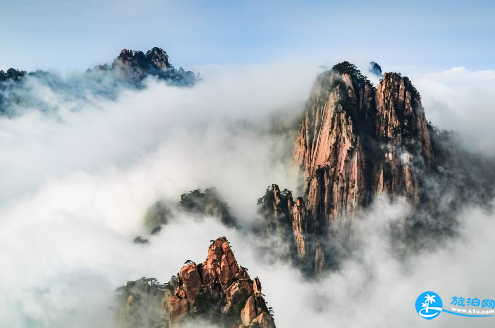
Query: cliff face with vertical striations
x=354, y=142
x=217, y=291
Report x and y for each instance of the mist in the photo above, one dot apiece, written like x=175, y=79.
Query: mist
x=462, y=100
x=78, y=179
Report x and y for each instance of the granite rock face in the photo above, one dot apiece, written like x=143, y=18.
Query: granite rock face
x=354, y=142
x=217, y=291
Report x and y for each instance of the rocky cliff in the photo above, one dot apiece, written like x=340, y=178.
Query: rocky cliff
x=217, y=291
x=354, y=142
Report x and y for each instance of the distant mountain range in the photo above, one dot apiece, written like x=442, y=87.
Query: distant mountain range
x=128, y=70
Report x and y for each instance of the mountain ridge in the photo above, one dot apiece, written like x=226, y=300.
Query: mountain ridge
x=129, y=70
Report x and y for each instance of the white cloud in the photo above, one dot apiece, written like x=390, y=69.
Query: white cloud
x=461, y=100
x=377, y=288
x=76, y=185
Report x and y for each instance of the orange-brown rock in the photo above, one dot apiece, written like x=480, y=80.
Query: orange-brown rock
x=248, y=313
x=219, y=286
x=354, y=143
x=217, y=291
x=256, y=286
x=300, y=227
x=178, y=308
x=191, y=281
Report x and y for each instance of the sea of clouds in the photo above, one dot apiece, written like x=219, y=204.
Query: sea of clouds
x=78, y=179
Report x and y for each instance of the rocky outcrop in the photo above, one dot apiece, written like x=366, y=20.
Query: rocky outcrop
x=300, y=227
x=196, y=202
x=11, y=74
x=354, y=143
x=155, y=58
x=209, y=203
x=10, y=81
x=402, y=131
x=217, y=291
x=135, y=66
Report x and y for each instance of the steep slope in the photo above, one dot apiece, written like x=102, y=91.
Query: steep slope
x=354, y=143
x=217, y=291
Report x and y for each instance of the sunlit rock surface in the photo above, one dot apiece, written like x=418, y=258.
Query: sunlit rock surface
x=356, y=142
x=217, y=291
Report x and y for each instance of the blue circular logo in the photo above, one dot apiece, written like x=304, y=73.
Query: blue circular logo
x=429, y=305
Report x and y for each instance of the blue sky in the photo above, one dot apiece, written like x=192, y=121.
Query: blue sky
x=77, y=34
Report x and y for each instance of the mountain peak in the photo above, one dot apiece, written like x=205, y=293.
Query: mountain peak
x=11, y=74
x=136, y=65
x=218, y=290
x=355, y=142
x=156, y=58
